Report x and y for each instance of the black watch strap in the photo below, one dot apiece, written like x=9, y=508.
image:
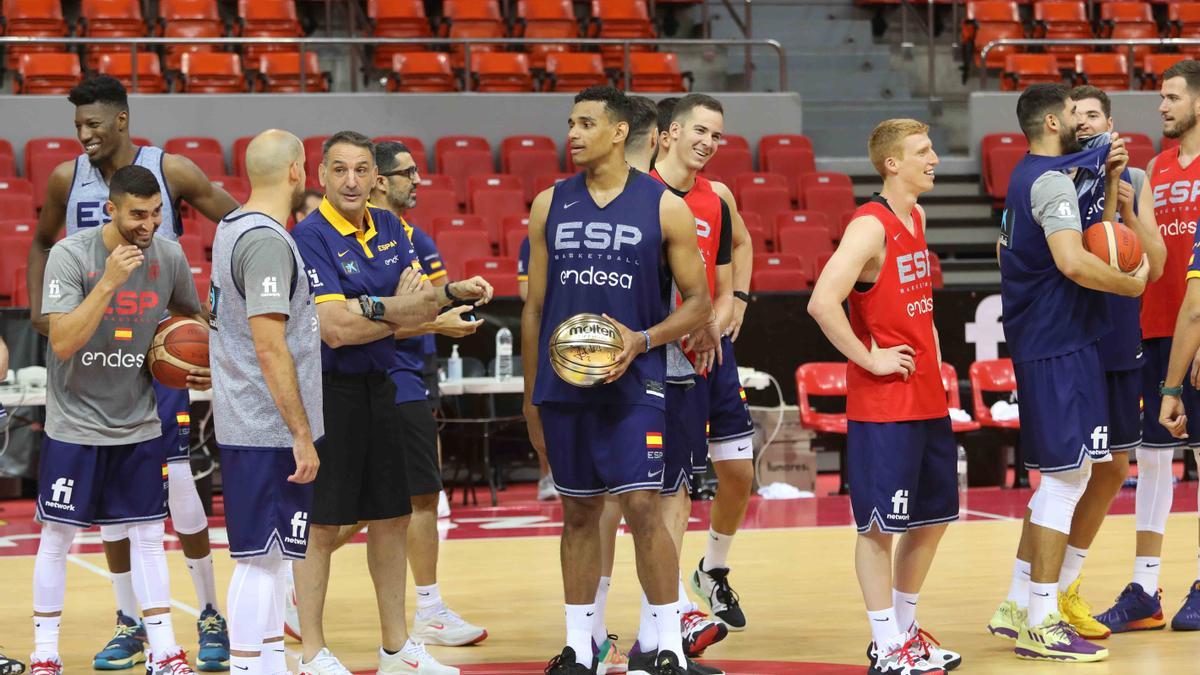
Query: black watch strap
x=742, y=295
x=452, y=297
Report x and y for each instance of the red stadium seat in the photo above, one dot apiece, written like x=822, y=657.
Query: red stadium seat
x=193, y=247
x=789, y=161
x=1183, y=19
x=999, y=155
x=989, y=20
x=236, y=186
x=501, y=72
x=994, y=376
x=834, y=201
x=16, y=206
x=460, y=165
x=1154, y=65
x=8, y=159
x=817, y=179
x=239, y=154
x=805, y=219
x=313, y=154
x=1141, y=149
x=431, y=203
x=277, y=17
x=108, y=19
x=826, y=380
x=513, y=144
x=1022, y=70
x=494, y=205
x=13, y=254
x=620, y=19
x=1061, y=20
x=471, y=19
x=459, y=247
x=451, y=144
x=935, y=271
x=490, y=181
x=205, y=152
x=528, y=165
x=772, y=141
x=512, y=243
x=458, y=223
x=22, y=228
x=548, y=31
x=730, y=161
x=572, y=71
x=765, y=200
x=47, y=73
x=437, y=181
x=212, y=73
x=1128, y=21
x=953, y=400
x=33, y=18
x=545, y=19
x=753, y=179
x=120, y=66
x=501, y=273
x=759, y=237
x=416, y=148
x=396, y=19
x=808, y=242
x=734, y=141
x=768, y=263
x=195, y=31
x=279, y=72
x=42, y=155
x=189, y=11
x=656, y=72
x=1107, y=71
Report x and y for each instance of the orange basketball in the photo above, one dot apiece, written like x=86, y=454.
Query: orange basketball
x=180, y=344
x=1115, y=244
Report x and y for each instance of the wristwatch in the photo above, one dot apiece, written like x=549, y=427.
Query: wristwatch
x=371, y=306
x=742, y=295
x=450, y=296
x=1164, y=390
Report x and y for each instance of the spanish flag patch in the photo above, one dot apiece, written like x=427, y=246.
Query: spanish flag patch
x=654, y=440
x=165, y=472
x=742, y=393
x=436, y=264
x=183, y=418
x=123, y=334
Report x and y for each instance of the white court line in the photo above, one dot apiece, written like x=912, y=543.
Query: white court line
x=104, y=573
x=985, y=514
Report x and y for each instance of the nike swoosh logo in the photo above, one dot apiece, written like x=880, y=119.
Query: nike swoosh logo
x=438, y=626
x=411, y=664
x=1042, y=595
x=424, y=595
x=911, y=603
x=883, y=620
x=87, y=183
x=654, y=474
x=1154, y=565
x=242, y=667
x=590, y=613
x=743, y=448
x=569, y=205
x=343, y=253
x=153, y=623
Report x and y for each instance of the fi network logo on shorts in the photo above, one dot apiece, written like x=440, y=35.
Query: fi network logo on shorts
x=60, y=494
x=899, y=505
x=1099, y=447
x=299, y=528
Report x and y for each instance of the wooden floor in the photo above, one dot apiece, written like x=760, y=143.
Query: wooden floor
x=797, y=586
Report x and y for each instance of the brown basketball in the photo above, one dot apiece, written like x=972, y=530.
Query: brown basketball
x=179, y=345
x=1115, y=244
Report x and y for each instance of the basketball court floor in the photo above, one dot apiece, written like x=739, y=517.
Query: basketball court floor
x=792, y=566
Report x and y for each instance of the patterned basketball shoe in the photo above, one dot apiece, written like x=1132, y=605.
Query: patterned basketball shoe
x=564, y=664
x=903, y=660
x=1056, y=640
x=1078, y=613
x=1134, y=610
x=126, y=648
x=1188, y=616
x=10, y=666
x=610, y=658
x=45, y=666
x=713, y=586
x=175, y=664
x=1007, y=621
x=700, y=633
x=213, y=654
x=933, y=652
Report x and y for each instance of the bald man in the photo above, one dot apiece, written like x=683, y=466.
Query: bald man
x=266, y=354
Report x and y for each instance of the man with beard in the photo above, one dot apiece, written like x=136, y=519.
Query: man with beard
x=1168, y=203
x=266, y=351
x=1054, y=314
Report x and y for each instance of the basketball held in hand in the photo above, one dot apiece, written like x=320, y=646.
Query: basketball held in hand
x=180, y=344
x=1115, y=244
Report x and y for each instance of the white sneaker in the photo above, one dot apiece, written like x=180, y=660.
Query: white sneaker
x=324, y=663
x=447, y=629
x=291, y=611
x=546, y=491
x=413, y=660
x=443, y=505
x=175, y=664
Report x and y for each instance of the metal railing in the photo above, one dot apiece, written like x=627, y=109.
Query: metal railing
x=906, y=7
x=307, y=43
x=1128, y=44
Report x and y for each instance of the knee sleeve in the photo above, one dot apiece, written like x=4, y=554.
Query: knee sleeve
x=111, y=533
x=737, y=448
x=252, y=602
x=1054, y=503
x=50, y=567
x=151, y=582
x=187, y=511
x=1155, y=492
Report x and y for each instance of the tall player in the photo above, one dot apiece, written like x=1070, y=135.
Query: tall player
x=608, y=438
x=75, y=199
x=1054, y=314
x=1120, y=354
x=1168, y=203
x=694, y=134
x=901, y=450
x=266, y=354
x=102, y=461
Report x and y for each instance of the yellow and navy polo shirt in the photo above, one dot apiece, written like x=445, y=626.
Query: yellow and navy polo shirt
x=408, y=370
x=342, y=262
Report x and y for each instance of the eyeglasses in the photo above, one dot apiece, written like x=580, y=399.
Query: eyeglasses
x=408, y=173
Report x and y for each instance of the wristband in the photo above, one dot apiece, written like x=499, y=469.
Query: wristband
x=1164, y=390
x=450, y=296
x=647, y=334
x=742, y=295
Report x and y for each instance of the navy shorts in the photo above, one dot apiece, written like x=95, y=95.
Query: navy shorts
x=728, y=412
x=101, y=484
x=599, y=449
x=902, y=474
x=1157, y=353
x=1124, y=409
x=686, y=450
x=174, y=411
x=262, y=509
x=1064, y=410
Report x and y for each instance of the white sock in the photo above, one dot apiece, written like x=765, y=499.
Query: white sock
x=201, y=570
x=885, y=629
x=905, y=605
x=599, y=630
x=666, y=623
x=160, y=633
x=1145, y=573
x=122, y=584
x=647, y=637
x=1018, y=590
x=579, y=632
x=1043, y=601
x=685, y=601
x=429, y=601
x=274, y=658
x=717, y=552
x=45, y=636
x=1071, y=568
x=248, y=664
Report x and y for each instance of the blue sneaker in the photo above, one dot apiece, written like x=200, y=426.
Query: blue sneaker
x=1188, y=617
x=126, y=648
x=213, y=655
x=1134, y=610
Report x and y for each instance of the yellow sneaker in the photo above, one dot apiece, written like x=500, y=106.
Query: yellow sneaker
x=1077, y=612
x=1056, y=640
x=1008, y=620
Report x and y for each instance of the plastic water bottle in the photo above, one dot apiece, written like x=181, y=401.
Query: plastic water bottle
x=503, y=354
x=962, y=468
x=454, y=365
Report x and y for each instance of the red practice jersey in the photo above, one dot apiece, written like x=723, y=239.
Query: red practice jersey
x=712, y=225
x=897, y=309
x=1176, y=192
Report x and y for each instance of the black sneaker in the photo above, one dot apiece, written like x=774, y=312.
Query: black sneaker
x=668, y=664
x=10, y=666
x=565, y=664
x=713, y=586
x=696, y=668
x=641, y=662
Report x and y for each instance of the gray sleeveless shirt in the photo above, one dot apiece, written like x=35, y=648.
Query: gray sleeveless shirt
x=89, y=194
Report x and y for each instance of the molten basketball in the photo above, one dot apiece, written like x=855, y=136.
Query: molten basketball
x=583, y=347
x=180, y=344
x=1115, y=244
